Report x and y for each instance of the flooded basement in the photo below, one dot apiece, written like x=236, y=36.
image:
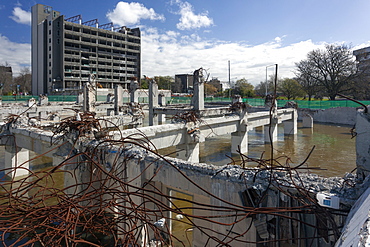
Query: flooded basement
x=334, y=151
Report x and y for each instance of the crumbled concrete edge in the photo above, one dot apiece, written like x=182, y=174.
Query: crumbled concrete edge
x=259, y=179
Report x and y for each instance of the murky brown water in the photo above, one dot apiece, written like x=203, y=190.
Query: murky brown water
x=334, y=148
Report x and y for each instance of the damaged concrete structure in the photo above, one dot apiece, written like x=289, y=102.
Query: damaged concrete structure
x=233, y=187
x=184, y=202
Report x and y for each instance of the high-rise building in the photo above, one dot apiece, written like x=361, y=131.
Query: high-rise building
x=65, y=52
x=363, y=58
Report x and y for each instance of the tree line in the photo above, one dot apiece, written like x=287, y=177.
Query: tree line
x=324, y=72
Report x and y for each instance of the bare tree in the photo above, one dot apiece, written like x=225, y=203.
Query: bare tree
x=23, y=80
x=332, y=68
x=6, y=77
x=304, y=77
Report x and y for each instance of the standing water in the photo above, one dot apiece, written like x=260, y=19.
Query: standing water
x=334, y=151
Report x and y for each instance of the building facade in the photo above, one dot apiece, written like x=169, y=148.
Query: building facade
x=362, y=57
x=183, y=83
x=65, y=52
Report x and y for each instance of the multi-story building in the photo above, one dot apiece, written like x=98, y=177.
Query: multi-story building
x=363, y=58
x=65, y=52
x=183, y=83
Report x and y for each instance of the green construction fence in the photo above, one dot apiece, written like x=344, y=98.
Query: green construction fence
x=314, y=104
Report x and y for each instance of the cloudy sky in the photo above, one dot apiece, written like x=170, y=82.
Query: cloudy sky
x=180, y=36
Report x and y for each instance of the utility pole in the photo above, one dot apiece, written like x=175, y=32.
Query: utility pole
x=229, y=82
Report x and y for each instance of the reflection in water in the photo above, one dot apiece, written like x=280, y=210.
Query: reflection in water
x=334, y=151
x=334, y=148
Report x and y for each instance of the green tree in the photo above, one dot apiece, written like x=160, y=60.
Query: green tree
x=209, y=89
x=144, y=83
x=164, y=82
x=332, y=68
x=260, y=89
x=290, y=88
x=244, y=88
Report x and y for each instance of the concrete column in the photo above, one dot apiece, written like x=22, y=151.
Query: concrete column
x=110, y=98
x=161, y=102
x=362, y=145
x=307, y=121
x=198, y=84
x=43, y=100
x=17, y=158
x=237, y=99
x=291, y=126
x=118, y=98
x=90, y=95
x=72, y=175
x=189, y=152
x=134, y=94
x=239, y=141
x=153, y=102
x=31, y=102
x=271, y=130
x=80, y=98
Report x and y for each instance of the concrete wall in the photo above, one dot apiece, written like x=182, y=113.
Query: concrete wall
x=338, y=115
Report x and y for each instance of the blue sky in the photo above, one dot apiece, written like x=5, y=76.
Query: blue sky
x=180, y=36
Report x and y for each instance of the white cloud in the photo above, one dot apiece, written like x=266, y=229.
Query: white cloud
x=162, y=55
x=126, y=14
x=169, y=53
x=17, y=55
x=188, y=19
x=21, y=16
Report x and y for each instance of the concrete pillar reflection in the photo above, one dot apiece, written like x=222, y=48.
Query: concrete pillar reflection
x=307, y=121
x=17, y=160
x=239, y=141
